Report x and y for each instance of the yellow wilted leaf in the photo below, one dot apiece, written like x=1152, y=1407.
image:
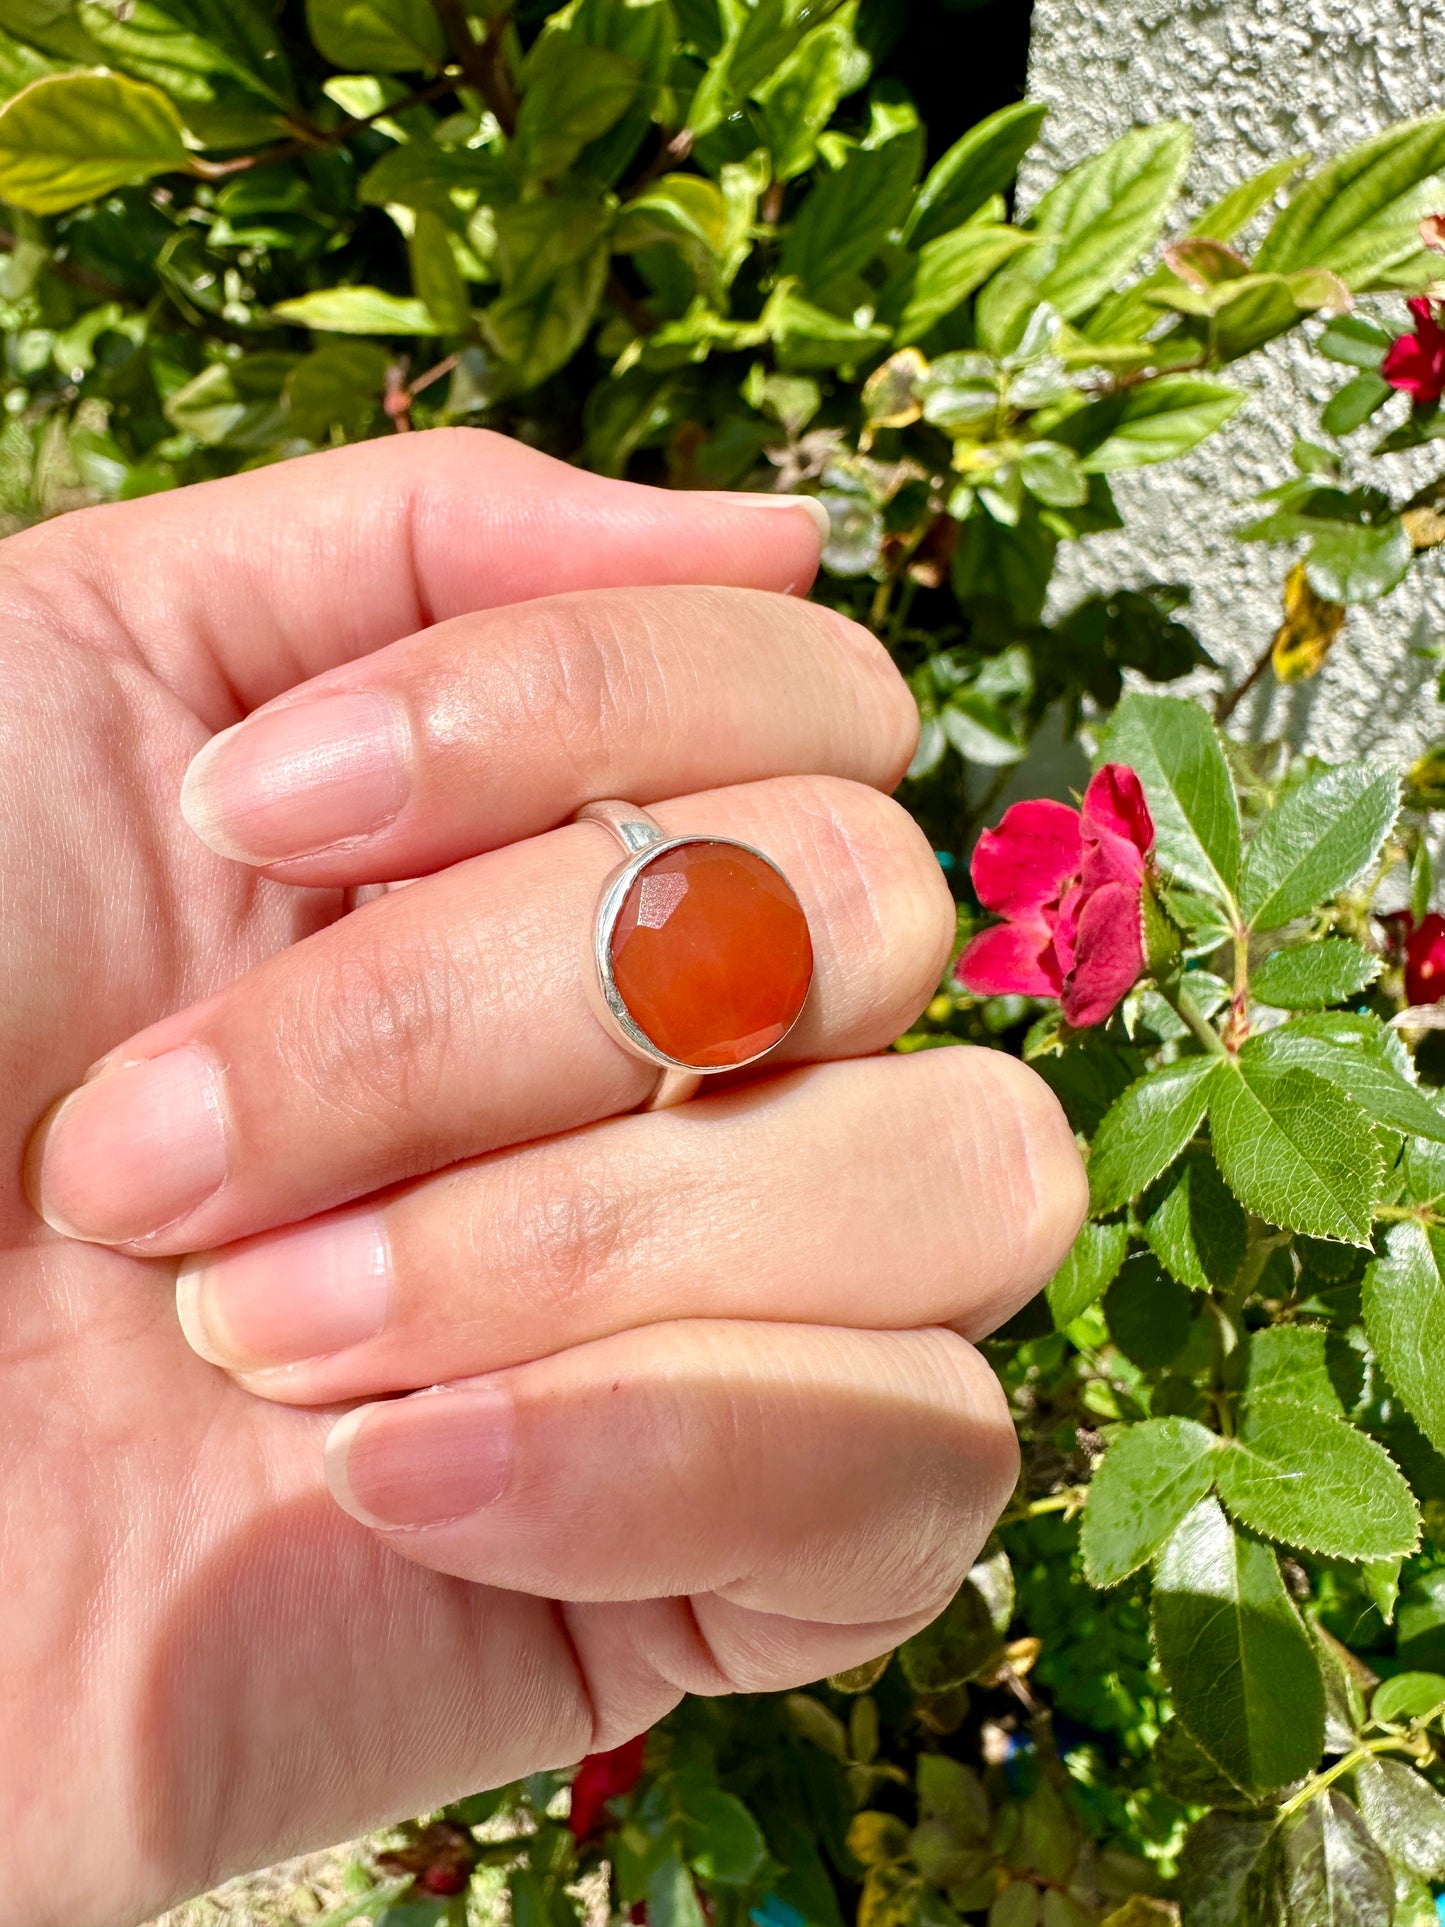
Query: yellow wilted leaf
x=1425, y=527
x=890, y=394
x=877, y=1839
x=1309, y=629
x=891, y=1897
x=1140, y=1910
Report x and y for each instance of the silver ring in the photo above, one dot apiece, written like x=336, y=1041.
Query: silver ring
x=623, y=910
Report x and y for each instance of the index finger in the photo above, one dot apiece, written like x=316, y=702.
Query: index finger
x=236, y=590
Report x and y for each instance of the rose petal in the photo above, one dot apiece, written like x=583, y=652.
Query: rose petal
x=1108, y=954
x=1011, y=960
x=1117, y=829
x=1416, y=368
x=1026, y=861
x=1066, y=926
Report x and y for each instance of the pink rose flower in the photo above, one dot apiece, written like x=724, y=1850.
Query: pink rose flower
x=600, y=1778
x=1416, y=363
x=1071, y=885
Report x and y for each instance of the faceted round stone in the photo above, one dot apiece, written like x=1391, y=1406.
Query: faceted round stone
x=711, y=954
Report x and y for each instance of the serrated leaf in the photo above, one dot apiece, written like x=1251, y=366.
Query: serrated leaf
x=1305, y=1477
x=357, y=311
x=1405, y=1814
x=1149, y=1480
x=1187, y=1774
x=1172, y=747
x=983, y=163
x=1154, y=422
x=1239, y=1662
x=1305, y=1364
x=377, y=36
x=1336, y=1045
x=1145, y=1130
x=1314, y=975
x=1199, y=1232
x=1149, y=1316
x=1296, y=1151
x=71, y=138
x=1095, y=1257
x=1344, y=1702
x=1328, y=1871
x=1359, y=214
x=1404, y=1312
x=1317, y=841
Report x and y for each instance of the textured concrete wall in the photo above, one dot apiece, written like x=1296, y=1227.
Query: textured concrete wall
x=1256, y=79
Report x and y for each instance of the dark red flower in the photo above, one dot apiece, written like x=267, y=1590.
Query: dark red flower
x=1070, y=884
x=1416, y=363
x=1425, y=960
x=600, y=1778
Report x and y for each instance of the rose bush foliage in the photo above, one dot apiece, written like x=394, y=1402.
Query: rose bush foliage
x=1201, y=1667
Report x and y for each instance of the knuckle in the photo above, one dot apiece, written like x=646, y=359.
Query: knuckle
x=978, y=1432
x=885, y=893
x=892, y=713
x=1014, y=1172
x=565, y=1233
x=582, y=677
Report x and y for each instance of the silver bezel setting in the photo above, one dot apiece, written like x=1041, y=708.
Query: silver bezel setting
x=602, y=988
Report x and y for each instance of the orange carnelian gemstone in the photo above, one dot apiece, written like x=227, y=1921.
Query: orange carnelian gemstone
x=711, y=954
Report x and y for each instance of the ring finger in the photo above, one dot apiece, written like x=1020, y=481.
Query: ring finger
x=451, y=1018
x=941, y=1188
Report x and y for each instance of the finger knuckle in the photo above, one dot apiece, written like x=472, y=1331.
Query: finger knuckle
x=975, y=1438
x=1011, y=1167
x=582, y=670
x=565, y=1232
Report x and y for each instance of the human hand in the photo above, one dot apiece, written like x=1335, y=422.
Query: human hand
x=731, y=1454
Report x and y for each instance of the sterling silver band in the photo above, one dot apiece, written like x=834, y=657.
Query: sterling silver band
x=638, y=833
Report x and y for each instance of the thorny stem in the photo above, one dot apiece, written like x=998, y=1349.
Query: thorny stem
x=1188, y=1012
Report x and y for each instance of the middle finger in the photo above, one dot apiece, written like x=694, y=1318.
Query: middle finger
x=451, y=1018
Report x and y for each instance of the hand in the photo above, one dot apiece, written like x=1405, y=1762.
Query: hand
x=700, y=1418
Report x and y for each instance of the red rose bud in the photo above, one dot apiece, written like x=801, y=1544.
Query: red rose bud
x=1416, y=363
x=600, y=1778
x=1070, y=884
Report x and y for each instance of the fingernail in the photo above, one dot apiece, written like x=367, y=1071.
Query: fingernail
x=424, y=1460
x=815, y=509
x=287, y=1296
x=290, y=782
x=134, y=1151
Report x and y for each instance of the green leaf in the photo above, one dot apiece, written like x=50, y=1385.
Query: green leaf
x=1146, y=1484
x=1317, y=841
x=1187, y=1774
x=571, y=94
x=967, y=1635
x=1352, y=405
x=554, y=254
x=1359, y=564
x=435, y=275
x=71, y=138
x=1404, y=1311
x=1328, y=1872
x=1223, y=1854
x=1405, y=1814
x=1314, y=975
x=1295, y=1150
x=1355, y=341
x=1094, y=1258
x=1360, y=214
x=1096, y=222
x=684, y=210
x=721, y=1839
x=949, y=270
x=422, y=174
x=377, y=36
x=1199, y=1233
x=1349, y=1049
x=850, y=212
x=1149, y=1316
x=1146, y=1129
x=1239, y=1662
x=1406, y=1697
x=645, y=33
x=357, y=311
x=983, y=163
x=1174, y=750
x=1153, y=422
x=1305, y=1365
x=671, y=1896
x=1308, y=1478
x=800, y=98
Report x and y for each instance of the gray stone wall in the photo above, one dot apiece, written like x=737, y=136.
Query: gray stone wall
x=1256, y=80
